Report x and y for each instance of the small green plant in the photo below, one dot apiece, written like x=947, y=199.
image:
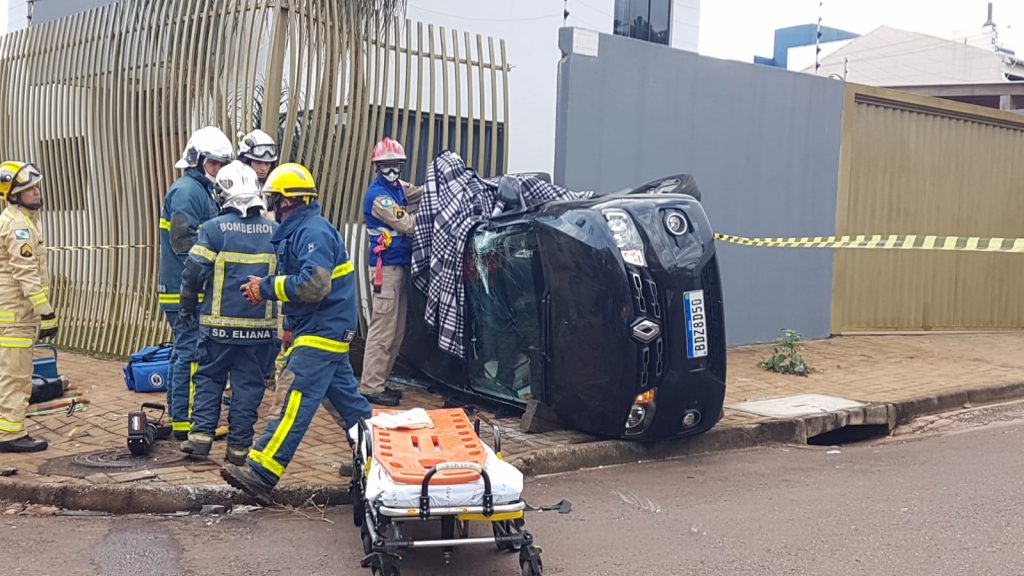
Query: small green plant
x=786, y=358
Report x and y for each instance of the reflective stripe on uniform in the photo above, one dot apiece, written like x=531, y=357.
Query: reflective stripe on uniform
x=279, y=288
x=7, y=317
x=203, y=252
x=232, y=322
x=181, y=426
x=192, y=387
x=320, y=343
x=342, y=270
x=11, y=342
x=225, y=258
x=165, y=224
x=244, y=258
x=175, y=298
x=48, y=324
x=265, y=457
x=200, y=438
x=38, y=299
x=11, y=427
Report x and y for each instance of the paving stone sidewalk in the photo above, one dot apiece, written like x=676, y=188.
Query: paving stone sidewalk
x=870, y=369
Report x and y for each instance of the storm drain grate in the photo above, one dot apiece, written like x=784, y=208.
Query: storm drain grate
x=114, y=460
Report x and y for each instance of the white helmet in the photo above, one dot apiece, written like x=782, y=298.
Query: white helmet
x=257, y=146
x=209, y=142
x=238, y=188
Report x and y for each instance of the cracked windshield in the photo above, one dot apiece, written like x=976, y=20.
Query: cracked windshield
x=504, y=288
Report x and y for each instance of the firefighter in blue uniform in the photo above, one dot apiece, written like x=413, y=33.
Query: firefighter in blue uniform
x=390, y=223
x=237, y=337
x=188, y=203
x=316, y=284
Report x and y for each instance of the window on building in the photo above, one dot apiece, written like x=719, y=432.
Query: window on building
x=649, y=20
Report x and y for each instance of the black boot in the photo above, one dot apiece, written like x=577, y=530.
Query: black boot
x=385, y=398
x=196, y=448
x=237, y=454
x=244, y=479
x=24, y=444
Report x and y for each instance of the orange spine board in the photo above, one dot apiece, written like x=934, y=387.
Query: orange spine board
x=407, y=454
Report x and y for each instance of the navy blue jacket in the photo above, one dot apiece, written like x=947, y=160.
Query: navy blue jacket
x=400, y=251
x=314, y=281
x=229, y=250
x=189, y=202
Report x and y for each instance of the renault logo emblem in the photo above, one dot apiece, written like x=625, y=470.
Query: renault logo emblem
x=646, y=331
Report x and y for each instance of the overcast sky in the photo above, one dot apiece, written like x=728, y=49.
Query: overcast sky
x=735, y=29
x=738, y=29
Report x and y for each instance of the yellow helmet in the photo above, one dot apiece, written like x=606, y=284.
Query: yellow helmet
x=291, y=180
x=16, y=177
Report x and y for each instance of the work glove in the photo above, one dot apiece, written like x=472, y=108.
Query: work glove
x=287, y=339
x=251, y=290
x=188, y=319
x=48, y=326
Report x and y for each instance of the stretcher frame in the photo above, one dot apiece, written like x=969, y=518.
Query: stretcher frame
x=381, y=527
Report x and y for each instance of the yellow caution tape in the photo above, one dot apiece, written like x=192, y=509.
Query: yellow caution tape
x=890, y=242
x=96, y=248
x=877, y=241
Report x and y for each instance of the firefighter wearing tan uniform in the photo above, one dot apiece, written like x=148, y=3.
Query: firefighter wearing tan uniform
x=25, y=311
x=390, y=222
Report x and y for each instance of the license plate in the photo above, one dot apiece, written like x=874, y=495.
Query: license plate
x=696, y=324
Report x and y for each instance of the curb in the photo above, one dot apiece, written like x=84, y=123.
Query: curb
x=574, y=457
x=162, y=499
x=156, y=499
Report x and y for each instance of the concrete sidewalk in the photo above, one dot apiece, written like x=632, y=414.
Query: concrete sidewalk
x=898, y=377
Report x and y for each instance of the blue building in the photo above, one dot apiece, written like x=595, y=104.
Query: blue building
x=799, y=36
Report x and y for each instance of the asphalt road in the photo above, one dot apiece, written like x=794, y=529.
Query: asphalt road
x=943, y=497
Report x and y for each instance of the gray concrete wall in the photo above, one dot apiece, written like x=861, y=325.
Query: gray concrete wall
x=763, y=144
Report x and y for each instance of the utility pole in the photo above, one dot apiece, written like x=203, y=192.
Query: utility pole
x=817, y=39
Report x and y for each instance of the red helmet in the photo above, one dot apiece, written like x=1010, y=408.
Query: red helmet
x=388, y=150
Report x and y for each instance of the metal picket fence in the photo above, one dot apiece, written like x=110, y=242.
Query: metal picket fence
x=105, y=100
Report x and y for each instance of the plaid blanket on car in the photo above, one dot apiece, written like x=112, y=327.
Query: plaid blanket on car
x=455, y=199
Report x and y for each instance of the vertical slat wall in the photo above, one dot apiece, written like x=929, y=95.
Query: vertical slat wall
x=916, y=165
x=105, y=100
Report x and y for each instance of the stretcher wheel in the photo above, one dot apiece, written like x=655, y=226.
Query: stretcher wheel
x=528, y=570
x=530, y=562
x=358, y=511
x=364, y=534
x=503, y=528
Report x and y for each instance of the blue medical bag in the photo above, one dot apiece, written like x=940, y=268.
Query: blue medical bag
x=45, y=367
x=147, y=369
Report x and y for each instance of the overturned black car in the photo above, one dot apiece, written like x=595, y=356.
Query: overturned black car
x=607, y=309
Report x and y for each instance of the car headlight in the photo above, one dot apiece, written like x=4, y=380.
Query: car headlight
x=642, y=407
x=626, y=236
x=676, y=223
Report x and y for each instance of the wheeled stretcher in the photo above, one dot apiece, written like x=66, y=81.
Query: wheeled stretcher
x=444, y=474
